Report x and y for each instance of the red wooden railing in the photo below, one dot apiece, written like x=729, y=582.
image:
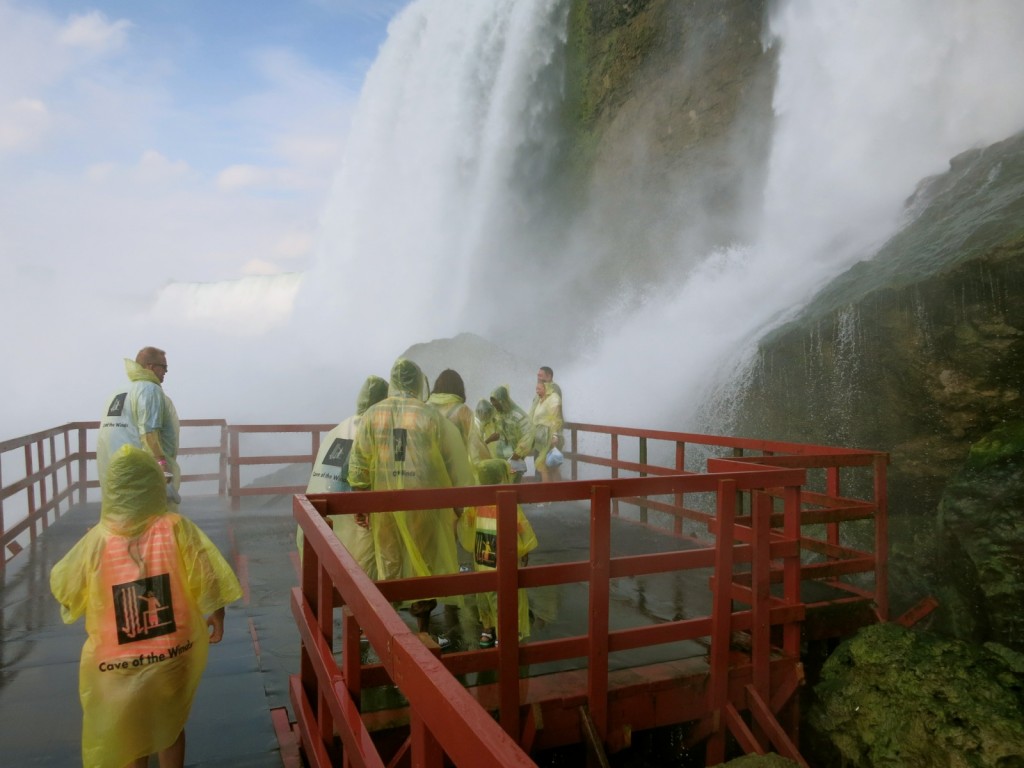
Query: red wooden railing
x=769, y=517
x=44, y=474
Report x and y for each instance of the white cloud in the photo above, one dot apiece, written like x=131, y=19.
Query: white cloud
x=294, y=245
x=247, y=307
x=93, y=33
x=244, y=177
x=124, y=172
x=22, y=124
x=261, y=267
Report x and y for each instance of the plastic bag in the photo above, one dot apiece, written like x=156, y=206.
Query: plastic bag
x=554, y=458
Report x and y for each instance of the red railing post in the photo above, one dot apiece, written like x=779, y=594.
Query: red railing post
x=760, y=566
x=235, y=469
x=83, y=466
x=680, y=498
x=222, y=481
x=44, y=470
x=881, y=492
x=575, y=448
x=508, y=611
x=615, y=469
x=30, y=492
x=597, y=625
x=833, y=489
x=721, y=620
x=68, y=482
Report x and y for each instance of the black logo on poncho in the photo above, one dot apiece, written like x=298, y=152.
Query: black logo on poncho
x=117, y=405
x=144, y=609
x=337, y=454
x=399, y=441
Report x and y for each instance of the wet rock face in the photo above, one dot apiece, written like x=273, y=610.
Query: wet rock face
x=672, y=97
x=894, y=697
x=920, y=352
x=981, y=520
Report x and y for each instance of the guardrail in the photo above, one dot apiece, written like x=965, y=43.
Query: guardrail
x=55, y=469
x=447, y=722
x=738, y=501
x=846, y=487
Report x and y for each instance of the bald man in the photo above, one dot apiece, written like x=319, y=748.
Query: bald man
x=141, y=414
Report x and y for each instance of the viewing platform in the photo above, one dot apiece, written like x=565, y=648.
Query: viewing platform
x=679, y=578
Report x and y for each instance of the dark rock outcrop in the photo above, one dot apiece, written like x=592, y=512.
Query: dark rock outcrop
x=918, y=352
x=894, y=697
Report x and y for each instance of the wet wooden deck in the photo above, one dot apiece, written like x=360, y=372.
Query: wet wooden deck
x=243, y=695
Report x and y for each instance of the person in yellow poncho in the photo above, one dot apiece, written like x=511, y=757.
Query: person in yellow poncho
x=449, y=397
x=141, y=414
x=404, y=443
x=144, y=578
x=330, y=475
x=478, y=534
x=546, y=430
x=514, y=427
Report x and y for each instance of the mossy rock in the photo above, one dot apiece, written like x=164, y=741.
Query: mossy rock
x=771, y=760
x=980, y=517
x=1002, y=446
x=894, y=697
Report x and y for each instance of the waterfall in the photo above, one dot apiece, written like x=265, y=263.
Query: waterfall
x=448, y=158
x=440, y=219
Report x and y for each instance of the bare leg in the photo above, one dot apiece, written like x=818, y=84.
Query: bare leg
x=174, y=755
x=141, y=762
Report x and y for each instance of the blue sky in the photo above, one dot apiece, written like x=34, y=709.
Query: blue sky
x=158, y=142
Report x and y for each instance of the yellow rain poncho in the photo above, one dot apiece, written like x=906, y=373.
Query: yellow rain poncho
x=513, y=424
x=404, y=443
x=458, y=413
x=546, y=423
x=132, y=411
x=478, y=534
x=330, y=475
x=145, y=579
x=485, y=425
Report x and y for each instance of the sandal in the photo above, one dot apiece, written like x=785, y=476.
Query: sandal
x=487, y=639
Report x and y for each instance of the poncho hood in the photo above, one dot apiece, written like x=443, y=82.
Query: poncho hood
x=501, y=399
x=407, y=379
x=374, y=390
x=135, y=492
x=137, y=372
x=484, y=411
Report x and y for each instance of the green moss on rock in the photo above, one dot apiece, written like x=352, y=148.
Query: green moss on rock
x=1003, y=445
x=771, y=760
x=893, y=697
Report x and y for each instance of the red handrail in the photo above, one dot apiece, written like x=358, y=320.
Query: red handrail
x=329, y=571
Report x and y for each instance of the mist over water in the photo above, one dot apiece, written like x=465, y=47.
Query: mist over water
x=441, y=220
x=448, y=216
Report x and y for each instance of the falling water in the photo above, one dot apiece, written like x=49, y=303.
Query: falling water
x=439, y=221
x=449, y=158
